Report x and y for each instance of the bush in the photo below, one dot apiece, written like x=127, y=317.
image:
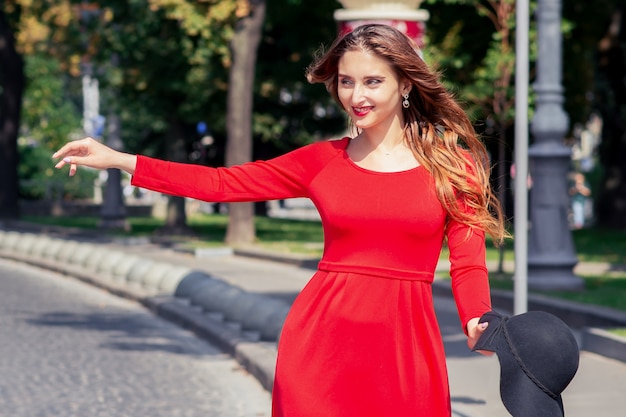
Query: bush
x=39, y=180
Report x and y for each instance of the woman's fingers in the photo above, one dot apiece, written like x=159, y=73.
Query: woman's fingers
x=474, y=331
x=91, y=153
x=73, y=162
x=73, y=154
x=73, y=148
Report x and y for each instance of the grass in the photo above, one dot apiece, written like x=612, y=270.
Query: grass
x=600, y=245
x=608, y=291
x=281, y=235
x=618, y=332
x=306, y=238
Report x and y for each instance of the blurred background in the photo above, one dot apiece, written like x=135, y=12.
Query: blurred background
x=176, y=79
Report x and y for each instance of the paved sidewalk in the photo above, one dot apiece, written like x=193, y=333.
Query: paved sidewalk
x=596, y=391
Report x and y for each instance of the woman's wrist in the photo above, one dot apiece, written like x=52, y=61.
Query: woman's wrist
x=127, y=162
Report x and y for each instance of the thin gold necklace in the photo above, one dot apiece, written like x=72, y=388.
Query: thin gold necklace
x=393, y=148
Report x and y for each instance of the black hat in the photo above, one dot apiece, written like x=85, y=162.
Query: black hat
x=538, y=357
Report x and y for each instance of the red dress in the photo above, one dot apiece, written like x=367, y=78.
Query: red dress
x=361, y=339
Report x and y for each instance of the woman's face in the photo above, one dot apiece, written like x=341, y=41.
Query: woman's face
x=369, y=90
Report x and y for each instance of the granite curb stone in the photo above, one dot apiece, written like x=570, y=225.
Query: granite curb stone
x=112, y=268
x=604, y=343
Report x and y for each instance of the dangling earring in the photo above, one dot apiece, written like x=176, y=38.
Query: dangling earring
x=405, y=102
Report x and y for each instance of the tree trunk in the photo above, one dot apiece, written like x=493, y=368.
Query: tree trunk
x=12, y=88
x=244, y=45
x=611, y=205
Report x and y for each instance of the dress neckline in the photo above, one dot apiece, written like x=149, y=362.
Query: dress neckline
x=346, y=142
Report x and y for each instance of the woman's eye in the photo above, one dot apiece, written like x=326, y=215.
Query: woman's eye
x=373, y=82
x=345, y=82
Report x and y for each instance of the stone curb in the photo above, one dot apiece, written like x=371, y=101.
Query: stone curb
x=243, y=324
x=604, y=343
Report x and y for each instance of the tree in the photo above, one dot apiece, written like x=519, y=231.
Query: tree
x=204, y=31
x=496, y=77
x=47, y=121
x=611, y=94
x=12, y=88
x=50, y=113
x=244, y=43
x=161, y=66
x=50, y=117
x=275, y=124
x=288, y=111
x=489, y=91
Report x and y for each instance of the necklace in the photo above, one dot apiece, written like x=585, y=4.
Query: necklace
x=391, y=150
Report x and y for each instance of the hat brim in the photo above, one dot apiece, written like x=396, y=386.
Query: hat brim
x=520, y=395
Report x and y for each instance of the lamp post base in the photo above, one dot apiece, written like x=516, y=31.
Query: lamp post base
x=114, y=224
x=113, y=212
x=554, y=277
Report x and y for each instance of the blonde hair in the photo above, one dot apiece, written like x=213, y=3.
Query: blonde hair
x=436, y=128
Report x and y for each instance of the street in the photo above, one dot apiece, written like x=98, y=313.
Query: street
x=69, y=349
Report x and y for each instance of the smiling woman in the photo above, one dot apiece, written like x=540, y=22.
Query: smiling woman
x=362, y=338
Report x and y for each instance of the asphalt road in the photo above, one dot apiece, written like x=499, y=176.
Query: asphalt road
x=69, y=349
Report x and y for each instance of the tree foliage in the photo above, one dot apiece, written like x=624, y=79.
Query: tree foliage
x=288, y=110
x=593, y=75
x=50, y=115
x=483, y=72
x=610, y=94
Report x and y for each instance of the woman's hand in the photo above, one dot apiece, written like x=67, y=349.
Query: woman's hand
x=91, y=153
x=474, y=330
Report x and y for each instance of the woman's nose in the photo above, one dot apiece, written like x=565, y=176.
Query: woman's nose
x=358, y=93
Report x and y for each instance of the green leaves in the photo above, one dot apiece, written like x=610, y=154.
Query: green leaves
x=49, y=116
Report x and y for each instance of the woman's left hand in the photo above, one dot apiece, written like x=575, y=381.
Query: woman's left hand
x=474, y=330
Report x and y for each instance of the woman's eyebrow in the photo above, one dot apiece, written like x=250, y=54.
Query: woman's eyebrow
x=366, y=77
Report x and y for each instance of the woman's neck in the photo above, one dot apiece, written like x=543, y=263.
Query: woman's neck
x=384, y=140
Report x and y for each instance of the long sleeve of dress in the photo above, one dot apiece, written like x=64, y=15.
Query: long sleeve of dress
x=468, y=271
x=286, y=176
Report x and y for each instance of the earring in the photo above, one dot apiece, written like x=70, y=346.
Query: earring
x=405, y=102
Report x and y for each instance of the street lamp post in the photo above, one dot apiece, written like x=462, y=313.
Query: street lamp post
x=113, y=210
x=551, y=255
x=404, y=15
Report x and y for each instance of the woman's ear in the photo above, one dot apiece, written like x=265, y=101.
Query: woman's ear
x=406, y=87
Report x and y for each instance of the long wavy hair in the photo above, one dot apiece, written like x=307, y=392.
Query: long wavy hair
x=436, y=128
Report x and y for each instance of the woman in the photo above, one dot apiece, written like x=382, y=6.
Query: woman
x=362, y=338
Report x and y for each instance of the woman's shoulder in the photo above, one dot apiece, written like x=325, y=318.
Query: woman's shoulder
x=323, y=149
x=331, y=145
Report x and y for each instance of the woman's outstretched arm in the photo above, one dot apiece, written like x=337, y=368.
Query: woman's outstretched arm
x=91, y=153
